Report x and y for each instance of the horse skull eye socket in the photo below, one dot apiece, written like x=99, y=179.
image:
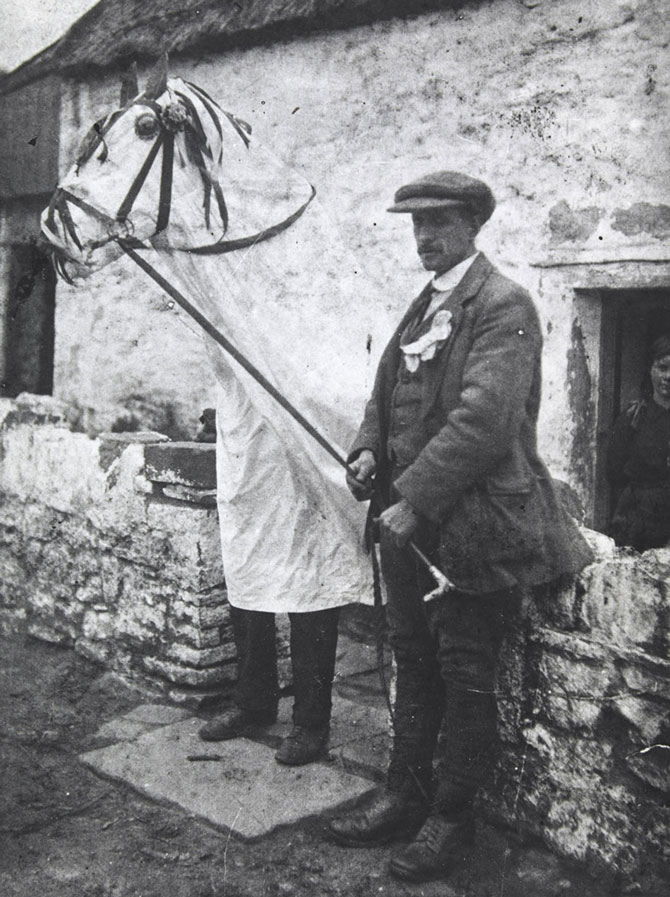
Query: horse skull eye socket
x=146, y=126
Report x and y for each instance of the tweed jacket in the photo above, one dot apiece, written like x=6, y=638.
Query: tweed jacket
x=478, y=477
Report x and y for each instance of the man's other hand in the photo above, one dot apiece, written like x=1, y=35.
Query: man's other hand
x=364, y=468
x=399, y=520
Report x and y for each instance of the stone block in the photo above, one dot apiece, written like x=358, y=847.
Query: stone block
x=540, y=739
x=144, y=595
x=573, y=689
x=213, y=597
x=648, y=721
x=11, y=531
x=354, y=657
x=204, y=497
x=572, y=644
x=194, y=636
x=98, y=625
x=141, y=544
x=571, y=826
x=144, y=486
x=14, y=578
x=97, y=651
x=571, y=674
x=52, y=467
x=575, y=794
x=192, y=549
x=602, y=546
x=138, y=628
x=625, y=599
x=201, y=657
x=53, y=634
x=111, y=578
x=91, y=591
x=186, y=613
x=656, y=832
x=190, y=464
x=111, y=445
x=559, y=608
x=218, y=615
x=646, y=676
x=580, y=763
x=12, y=619
x=42, y=599
x=652, y=766
x=572, y=712
x=31, y=556
x=35, y=410
x=56, y=562
x=187, y=675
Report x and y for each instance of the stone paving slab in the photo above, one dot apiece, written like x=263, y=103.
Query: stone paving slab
x=351, y=721
x=139, y=720
x=363, y=688
x=245, y=790
x=353, y=657
x=123, y=729
x=157, y=714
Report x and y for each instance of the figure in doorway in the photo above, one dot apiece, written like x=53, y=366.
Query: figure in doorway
x=638, y=460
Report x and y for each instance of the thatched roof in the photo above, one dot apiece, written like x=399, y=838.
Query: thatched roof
x=117, y=31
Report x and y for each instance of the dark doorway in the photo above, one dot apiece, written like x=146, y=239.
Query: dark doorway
x=29, y=323
x=630, y=322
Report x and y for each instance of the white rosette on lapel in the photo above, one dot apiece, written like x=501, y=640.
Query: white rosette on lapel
x=425, y=347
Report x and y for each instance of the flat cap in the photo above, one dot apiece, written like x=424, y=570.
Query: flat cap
x=445, y=188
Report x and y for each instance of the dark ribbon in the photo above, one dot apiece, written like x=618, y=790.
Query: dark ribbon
x=165, y=199
x=224, y=246
x=140, y=178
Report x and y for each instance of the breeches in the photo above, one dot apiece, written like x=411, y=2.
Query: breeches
x=446, y=654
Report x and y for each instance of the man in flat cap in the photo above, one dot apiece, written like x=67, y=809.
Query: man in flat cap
x=447, y=451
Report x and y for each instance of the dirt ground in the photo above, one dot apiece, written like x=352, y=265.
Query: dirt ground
x=64, y=832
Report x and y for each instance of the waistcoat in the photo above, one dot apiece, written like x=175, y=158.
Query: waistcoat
x=407, y=435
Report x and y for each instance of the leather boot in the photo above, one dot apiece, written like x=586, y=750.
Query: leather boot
x=302, y=746
x=381, y=817
x=437, y=848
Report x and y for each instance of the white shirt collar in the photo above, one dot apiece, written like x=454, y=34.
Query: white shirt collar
x=453, y=276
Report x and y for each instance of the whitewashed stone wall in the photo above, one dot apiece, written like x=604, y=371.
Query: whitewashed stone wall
x=585, y=721
x=95, y=555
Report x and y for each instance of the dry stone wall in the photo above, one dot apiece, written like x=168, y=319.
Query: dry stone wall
x=585, y=720
x=96, y=555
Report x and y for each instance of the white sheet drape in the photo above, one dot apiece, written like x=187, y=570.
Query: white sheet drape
x=301, y=310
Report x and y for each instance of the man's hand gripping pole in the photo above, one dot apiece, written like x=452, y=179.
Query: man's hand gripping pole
x=360, y=483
